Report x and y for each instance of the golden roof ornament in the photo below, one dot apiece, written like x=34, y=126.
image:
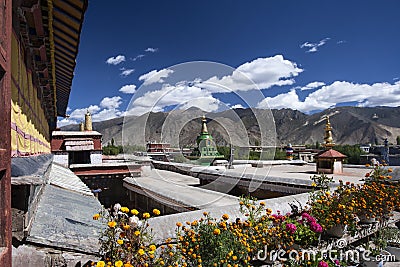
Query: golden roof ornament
x=328, y=135
x=88, y=121
x=204, y=125
x=81, y=126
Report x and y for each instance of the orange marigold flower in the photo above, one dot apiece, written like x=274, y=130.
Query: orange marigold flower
x=124, y=209
x=96, y=216
x=225, y=216
x=146, y=215
x=178, y=224
x=111, y=224
x=217, y=231
x=135, y=212
x=156, y=212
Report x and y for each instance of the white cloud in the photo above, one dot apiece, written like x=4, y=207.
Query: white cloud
x=313, y=47
x=127, y=72
x=128, y=89
x=140, y=110
x=312, y=85
x=111, y=102
x=261, y=73
x=151, y=50
x=107, y=114
x=108, y=109
x=155, y=76
x=207, y=103
x=115, y=60
x=181, y=94
x=366, y=95
x=138, y=57
x=79, y=114
x=237, y=106
x=65, y=121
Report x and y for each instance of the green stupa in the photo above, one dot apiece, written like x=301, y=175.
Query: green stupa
x=206, y=150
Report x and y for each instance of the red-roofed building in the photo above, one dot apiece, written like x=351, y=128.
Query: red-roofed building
x=330, y=161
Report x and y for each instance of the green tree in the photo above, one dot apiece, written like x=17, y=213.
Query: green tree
x=353, y=153
x=112, y=141
x=280, y=154
x=224, y=150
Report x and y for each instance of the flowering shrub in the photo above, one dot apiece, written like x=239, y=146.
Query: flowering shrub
x=334, y=208
x=126, y=241
x=378, y=196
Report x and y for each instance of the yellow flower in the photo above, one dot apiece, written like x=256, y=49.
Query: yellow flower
x=313, y=184
x=152, y=247
x=111, y=224
x=126, y=226
x=119, y=264
x=178, y=224
x=141, y=252
x=100, y=264
x=124, y=209
x=136, y=233
x=156, y=212
x=96, y=216
x=225, y=216
x=217, y=231
x=134, y=212
x=120, y=241
x=146, y=215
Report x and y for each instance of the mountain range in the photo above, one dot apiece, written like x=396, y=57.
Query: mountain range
x=351, y=125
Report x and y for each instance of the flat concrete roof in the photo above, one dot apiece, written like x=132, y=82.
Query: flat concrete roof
x=106, y=165
x=179, y=188
x=75, y=133
x=303, y=172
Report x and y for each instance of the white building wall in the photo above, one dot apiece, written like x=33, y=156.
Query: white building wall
x=61, y=158
x=96, y=157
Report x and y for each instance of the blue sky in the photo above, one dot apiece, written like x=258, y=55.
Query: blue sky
x=305, y=55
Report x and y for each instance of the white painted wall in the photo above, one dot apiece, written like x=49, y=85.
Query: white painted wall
x=61, y=158
x=96, y=157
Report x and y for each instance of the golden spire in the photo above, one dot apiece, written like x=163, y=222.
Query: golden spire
x=328, y=135
x=81, y=126
x=88, y=121
x=204, y=125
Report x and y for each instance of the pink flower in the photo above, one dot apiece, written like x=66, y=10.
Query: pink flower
x=316, y=227
x=323, y=264
x=291, y=228
x=310, y=219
